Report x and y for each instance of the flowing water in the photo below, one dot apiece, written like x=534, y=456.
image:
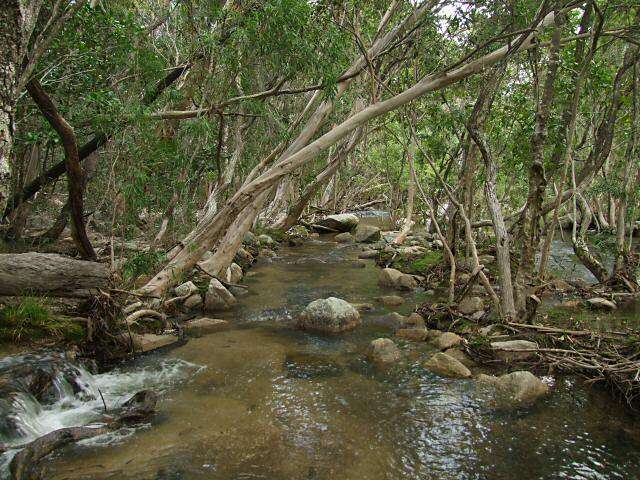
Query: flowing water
x=263, y=400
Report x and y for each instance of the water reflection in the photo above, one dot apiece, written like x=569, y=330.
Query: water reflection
x=277, y=403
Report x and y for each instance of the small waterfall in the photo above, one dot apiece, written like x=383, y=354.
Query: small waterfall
x=40, y=393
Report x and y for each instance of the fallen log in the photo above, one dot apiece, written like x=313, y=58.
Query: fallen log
x=50, y=274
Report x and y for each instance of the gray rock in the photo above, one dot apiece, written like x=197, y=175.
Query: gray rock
x=331, y=315
x=344, y=222
x=250, y=239
x=367, y=254
x=517, y=388
x=462, y=357
x=390, y=277
x=412, y=334
x=218, y=298
x=367, y=234
x=470, y=305
x=185, y=289
x=447, y=366
x=383, y=350
x=266, y=240
x=147, y=342
x=437, y=244
x=234, y=273
x=344, y=237
x=447, y=340
x=415, y=320
x=513, y=350
x=601, y=303
x=411, y=253
x=243, y=256
x=193, y=302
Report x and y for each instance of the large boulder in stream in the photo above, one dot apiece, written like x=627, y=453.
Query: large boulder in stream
x=218, y=298
x=367, y=234
x=329, y=315
x=343, y=222
x=516, y=388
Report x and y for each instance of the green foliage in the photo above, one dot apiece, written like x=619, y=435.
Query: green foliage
x=142, y=263
x=32, y=319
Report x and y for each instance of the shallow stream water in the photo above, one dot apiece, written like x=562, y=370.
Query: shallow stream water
x=263, y=400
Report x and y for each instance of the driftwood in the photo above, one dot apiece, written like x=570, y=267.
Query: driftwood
x=52, y=274
x=24, y=465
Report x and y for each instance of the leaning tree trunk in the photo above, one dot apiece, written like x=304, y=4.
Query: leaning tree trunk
x=313, y=125
x=75, y=174
x=295, y=211
x=207, y=235
x=50, y=274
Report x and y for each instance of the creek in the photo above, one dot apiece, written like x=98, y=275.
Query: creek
x=265, y=400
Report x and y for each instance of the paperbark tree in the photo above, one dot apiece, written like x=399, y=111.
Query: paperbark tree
x=185, y=260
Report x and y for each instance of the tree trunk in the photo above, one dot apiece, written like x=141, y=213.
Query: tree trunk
x=580, y=246
x=208, y=234
x=408, y=222
x=295, y=211
x=11, y=40
x=530, y=232
x=99, y=139
x=50, y=274
x=75, y=175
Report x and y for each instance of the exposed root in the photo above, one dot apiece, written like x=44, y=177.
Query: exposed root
x=133, y=317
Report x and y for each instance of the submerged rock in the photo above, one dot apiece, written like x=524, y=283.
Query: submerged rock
x=390, y=277
x=391, y=300
x=344, y=222
x=345, y=237
x=447, y=366
x=383, y=350
x=205, y=325
x=513, y=350
x=367, y=234
x=517, y=388
x=218, y=298
x=330, y=315
x=308, y=366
